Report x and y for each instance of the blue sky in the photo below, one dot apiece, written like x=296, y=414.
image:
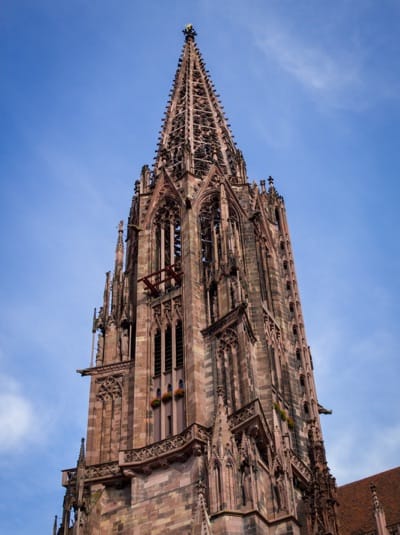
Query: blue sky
x=311, y=90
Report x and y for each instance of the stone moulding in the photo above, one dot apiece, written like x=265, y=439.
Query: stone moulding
x=102, y=471
x=231, y=318
x=95, y=472
x=165, y=451
x=108, y=368
x=245, y=416
x=301, y=468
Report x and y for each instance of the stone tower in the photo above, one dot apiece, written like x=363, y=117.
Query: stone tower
x=203, y=413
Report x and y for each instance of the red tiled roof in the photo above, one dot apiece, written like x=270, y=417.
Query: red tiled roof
x=355, y=509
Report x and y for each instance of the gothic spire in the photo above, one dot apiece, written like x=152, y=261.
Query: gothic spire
x=195, y=132
x=119, y=249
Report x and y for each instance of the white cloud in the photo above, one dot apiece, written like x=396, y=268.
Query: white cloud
x=327, y=73
x=17, y=416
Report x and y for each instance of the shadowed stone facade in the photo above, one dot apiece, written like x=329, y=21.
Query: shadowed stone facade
x=203, y=413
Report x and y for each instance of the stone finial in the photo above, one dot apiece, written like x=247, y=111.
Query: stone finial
x=379, y=513
x=189, y=32
x=81, y=457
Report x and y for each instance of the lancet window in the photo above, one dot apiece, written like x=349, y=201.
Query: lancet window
x=210, y=229
x=168, y=246
x=211, y=252
x=168, y=348
x=263, y=261
x=108, y=412
x=167, y=400
x=228, y=368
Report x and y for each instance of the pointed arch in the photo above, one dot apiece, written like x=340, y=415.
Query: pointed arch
x=228, y=367
x=167, y=242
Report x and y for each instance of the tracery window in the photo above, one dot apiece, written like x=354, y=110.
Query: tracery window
x=168, y=246
x=211, y=252
x=210, y=230
x=157, y=353
x=168, y=379
x=228, y=368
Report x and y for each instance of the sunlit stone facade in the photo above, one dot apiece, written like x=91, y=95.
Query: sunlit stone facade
x=203, y=413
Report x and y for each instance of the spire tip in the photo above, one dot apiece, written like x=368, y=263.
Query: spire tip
x=189, y=32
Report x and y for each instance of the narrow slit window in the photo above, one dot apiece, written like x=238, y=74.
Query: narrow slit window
x=168, y=349
x=179, y=344
x=157, y=353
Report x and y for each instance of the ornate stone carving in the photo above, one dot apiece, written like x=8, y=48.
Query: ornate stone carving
x=102, y=471
x=300, y=467
x=109, y=388
x=118, y=367
x=168, y=447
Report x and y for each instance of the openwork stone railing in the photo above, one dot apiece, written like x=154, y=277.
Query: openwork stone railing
x=102, y=471
x=165, y=450
x=93, y=472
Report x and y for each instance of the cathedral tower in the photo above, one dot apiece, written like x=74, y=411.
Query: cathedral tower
x=203, y=413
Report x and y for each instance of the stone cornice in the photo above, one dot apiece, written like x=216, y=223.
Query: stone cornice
x=108, y=368
x=166, y=451
x=94, y=472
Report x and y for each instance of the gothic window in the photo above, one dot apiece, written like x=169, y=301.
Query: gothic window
x=212, y=297
x=277, y=218
x=168, y=247
x=234, y=246
x=228, y=368
x=110, y=388
x=168, y=380
x=179, y=345
x=168, y=349
x=210, y=229
x=264, y=270
x=302, y=381
x=157, y=353
x=167, y=354
x=211, y=250
x=108, y=412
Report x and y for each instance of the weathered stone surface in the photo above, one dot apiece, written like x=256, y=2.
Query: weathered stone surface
x=203, y=413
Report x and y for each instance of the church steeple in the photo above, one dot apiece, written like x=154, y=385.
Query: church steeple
x=203, y=413
x=195, y=131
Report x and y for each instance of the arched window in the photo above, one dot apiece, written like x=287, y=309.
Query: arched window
x=179, y=345
x=157, y=353
x=168, y=349
x=210, y=230
x=211, y=251
x=168, y=247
